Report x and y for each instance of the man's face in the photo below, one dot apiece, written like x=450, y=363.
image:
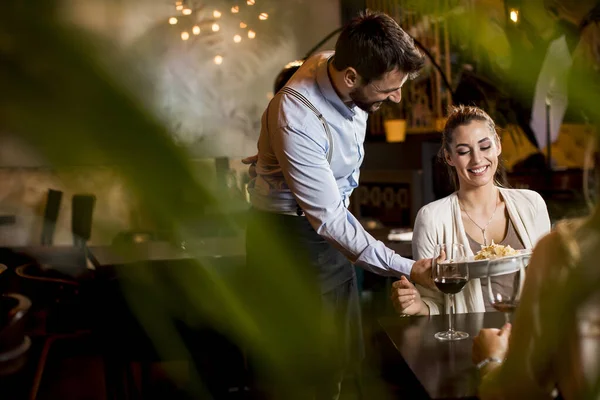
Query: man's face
x=369, y=97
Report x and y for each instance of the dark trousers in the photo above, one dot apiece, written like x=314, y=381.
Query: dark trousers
x=311, y=290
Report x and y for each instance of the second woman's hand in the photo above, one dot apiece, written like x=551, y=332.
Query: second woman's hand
x=406, y=298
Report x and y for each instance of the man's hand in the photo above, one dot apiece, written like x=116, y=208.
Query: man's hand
x=421, y=273
x=252, y=160
x=406, y=298
x=492, y=343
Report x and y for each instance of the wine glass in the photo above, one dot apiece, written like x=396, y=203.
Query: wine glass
x=505, y=278
x=450, y=275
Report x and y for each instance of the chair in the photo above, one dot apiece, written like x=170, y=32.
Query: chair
x=51, y=216
x=81, y=220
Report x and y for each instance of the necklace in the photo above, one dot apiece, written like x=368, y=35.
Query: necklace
x=486, y=225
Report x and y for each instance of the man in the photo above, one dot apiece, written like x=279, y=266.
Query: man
x=307, y=169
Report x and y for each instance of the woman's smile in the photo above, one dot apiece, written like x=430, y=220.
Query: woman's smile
x=479, y=170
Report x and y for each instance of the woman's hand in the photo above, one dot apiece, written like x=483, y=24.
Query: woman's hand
x=491, y=343
x=406, y=298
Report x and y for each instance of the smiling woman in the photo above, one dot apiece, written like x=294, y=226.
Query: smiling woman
x=479, y=212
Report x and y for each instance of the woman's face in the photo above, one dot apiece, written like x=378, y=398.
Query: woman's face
x=474, y=153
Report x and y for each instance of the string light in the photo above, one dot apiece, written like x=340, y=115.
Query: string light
x=218, y=60
x=514, y=15
x=263, y=16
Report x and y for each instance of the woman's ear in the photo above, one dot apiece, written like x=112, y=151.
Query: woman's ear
x=448, y=158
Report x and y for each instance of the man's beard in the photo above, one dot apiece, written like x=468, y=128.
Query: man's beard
x=363, y=103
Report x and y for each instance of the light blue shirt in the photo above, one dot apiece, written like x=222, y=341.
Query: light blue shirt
x=292, y=167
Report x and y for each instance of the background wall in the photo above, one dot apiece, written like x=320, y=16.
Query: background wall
x=213, y=110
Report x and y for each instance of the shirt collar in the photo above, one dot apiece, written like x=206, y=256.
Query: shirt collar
x=329, y=92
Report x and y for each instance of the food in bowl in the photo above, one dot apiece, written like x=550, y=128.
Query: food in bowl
x=494, y=251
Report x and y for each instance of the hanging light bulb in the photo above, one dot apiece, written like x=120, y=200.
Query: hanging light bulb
x=196, y=30
x=215, y=27
x=263, y=16
x=172, y=20
x=218, y=60
x=185, y=35
x=250, y=2
x=243, y=25
x=179, y=7
x=237, y=38
x=251, y=34
x=186, y=11
x=217, y=14
x=235, y=9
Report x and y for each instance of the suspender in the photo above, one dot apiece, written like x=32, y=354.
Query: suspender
x=308, y=104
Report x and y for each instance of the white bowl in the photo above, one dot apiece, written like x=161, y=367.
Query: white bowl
x=500, y=266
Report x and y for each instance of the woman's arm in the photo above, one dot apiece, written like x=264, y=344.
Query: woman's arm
x=423, y=246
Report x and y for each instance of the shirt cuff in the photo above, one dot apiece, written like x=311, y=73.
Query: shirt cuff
x=383, y=261
x=402, y=265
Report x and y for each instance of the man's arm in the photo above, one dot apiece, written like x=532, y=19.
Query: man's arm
x=310, y=179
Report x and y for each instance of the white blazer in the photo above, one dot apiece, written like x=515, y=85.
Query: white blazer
x=440, y=222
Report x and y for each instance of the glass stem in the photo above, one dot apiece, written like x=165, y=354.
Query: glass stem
x=506, y=318
x=451, y=314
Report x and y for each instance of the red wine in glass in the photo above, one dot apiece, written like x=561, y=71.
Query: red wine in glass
x=450, y=274
x=450, y=285
x=505, y=279
x=506, y=306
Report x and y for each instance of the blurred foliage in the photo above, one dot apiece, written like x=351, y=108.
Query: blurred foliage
x=61, y=95
x=58, y=93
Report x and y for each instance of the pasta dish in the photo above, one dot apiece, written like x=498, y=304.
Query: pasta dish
x=494, y=251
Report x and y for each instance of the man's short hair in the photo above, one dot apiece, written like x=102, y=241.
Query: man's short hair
x=373, y=44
